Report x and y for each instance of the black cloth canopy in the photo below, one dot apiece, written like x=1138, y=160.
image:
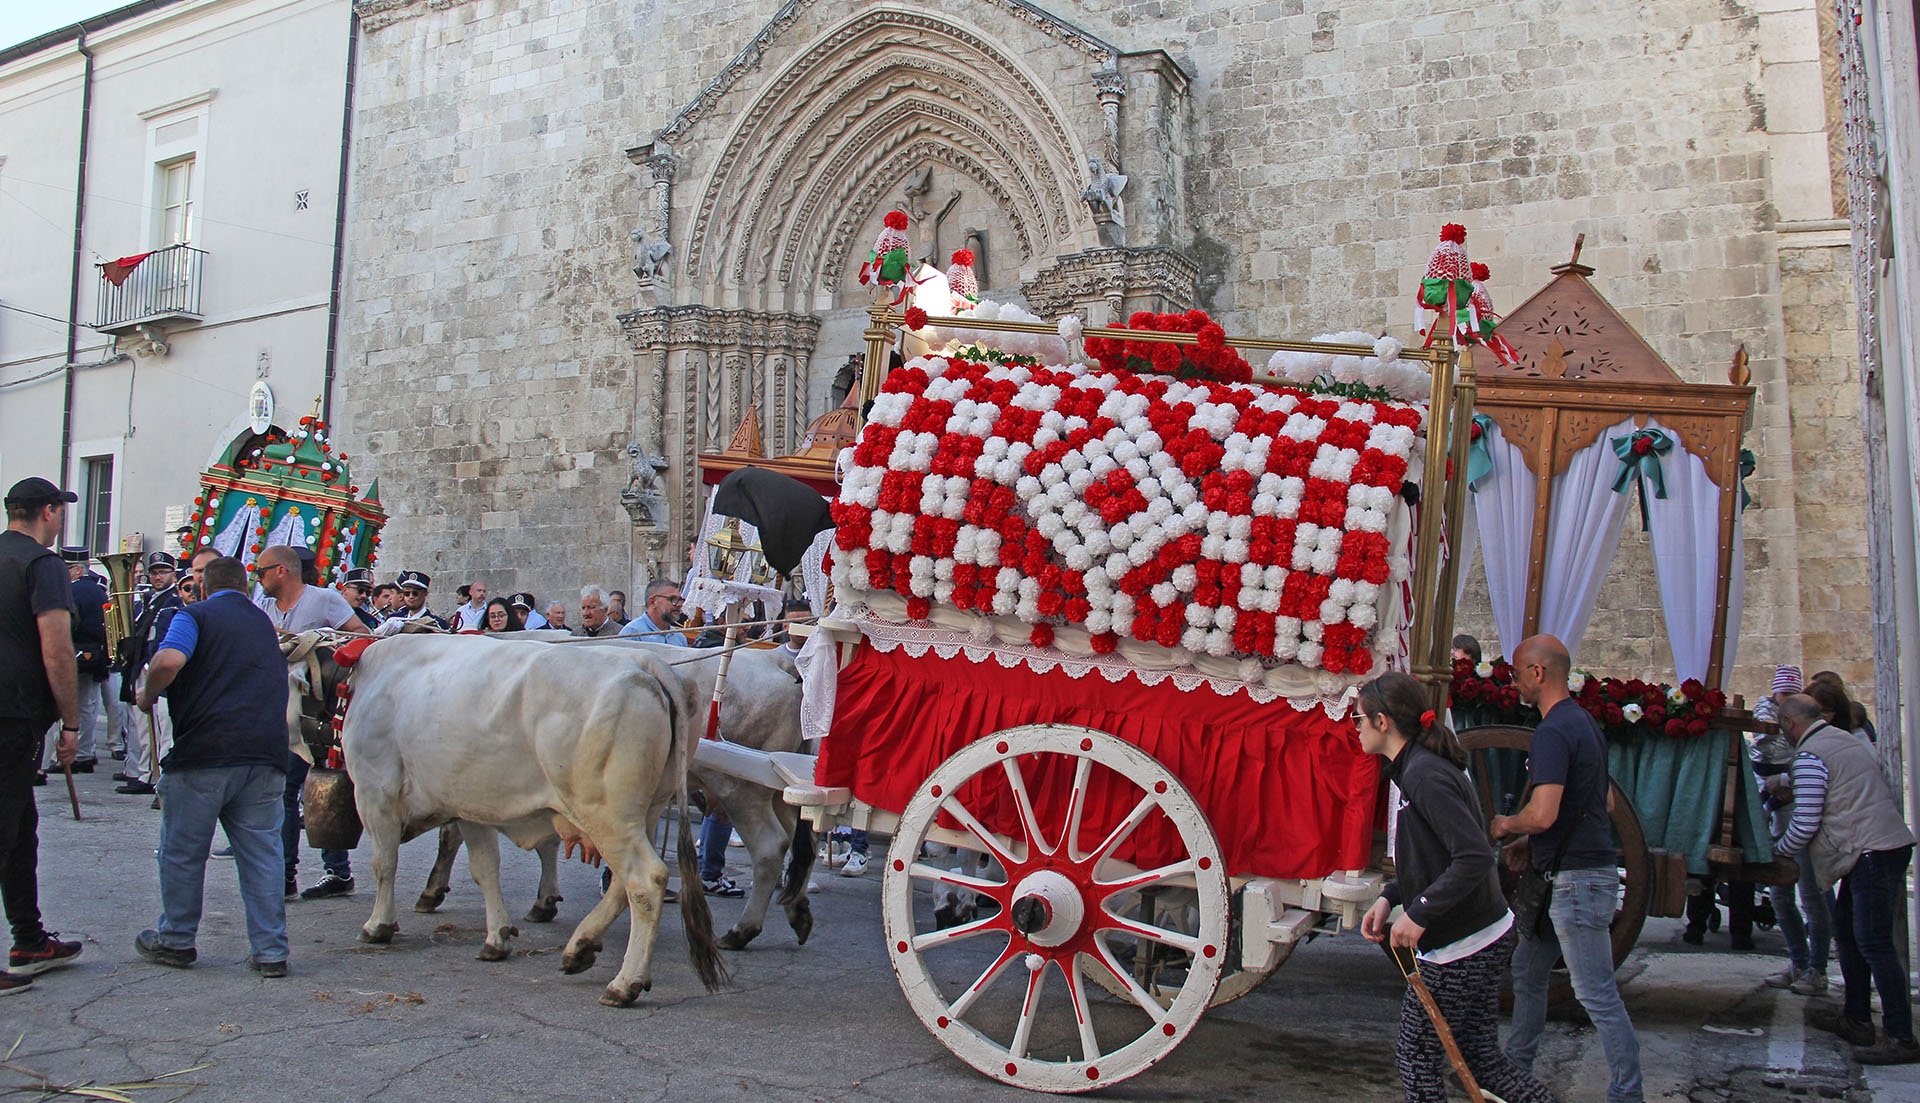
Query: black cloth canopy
x=788, y=512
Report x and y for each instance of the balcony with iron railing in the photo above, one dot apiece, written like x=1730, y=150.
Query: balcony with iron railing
x=148, y=288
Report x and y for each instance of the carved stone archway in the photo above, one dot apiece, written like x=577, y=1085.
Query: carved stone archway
x=833, y=114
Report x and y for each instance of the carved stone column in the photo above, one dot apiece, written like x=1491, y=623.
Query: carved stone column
x=1111, y=85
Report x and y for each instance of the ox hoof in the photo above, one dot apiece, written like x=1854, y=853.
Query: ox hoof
x=737, y=938
x=490, y=952
x=618, y=995
x=380, y=934
x=800, y=916
x=544, y=911
x=579, y=960
x=429, y=901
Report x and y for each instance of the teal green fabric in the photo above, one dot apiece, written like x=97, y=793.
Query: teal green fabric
x=1677, y=786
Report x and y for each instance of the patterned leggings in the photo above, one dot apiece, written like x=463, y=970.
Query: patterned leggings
x=1468, y=993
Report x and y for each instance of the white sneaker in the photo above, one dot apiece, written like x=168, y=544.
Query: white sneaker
x=856, y=865
x=813, y=886
x=833, y=853
x=734, y=839
x=1810, y=983
x=1786, y=977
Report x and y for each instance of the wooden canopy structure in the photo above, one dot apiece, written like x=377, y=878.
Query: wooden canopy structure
x=1583, y=369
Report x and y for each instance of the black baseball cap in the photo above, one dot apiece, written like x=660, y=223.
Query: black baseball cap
x=36, y=491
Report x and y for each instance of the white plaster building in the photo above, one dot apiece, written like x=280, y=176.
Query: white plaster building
x=207, y=134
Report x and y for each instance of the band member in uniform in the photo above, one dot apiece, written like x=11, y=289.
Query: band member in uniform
x=414, y=587
x=152, y=731
x=357, y=585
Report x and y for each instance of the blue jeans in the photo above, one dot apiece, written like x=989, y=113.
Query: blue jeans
x=1811, y=918
x=336, y=862
x=714, y=832
x=1863, y=932
x=245, y=800
x=1582, y=907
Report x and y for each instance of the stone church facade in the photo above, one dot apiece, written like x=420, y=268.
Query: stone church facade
x=588, y=236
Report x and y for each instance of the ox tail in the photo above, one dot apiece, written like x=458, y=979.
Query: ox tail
x=799, y=863
x=695, y=916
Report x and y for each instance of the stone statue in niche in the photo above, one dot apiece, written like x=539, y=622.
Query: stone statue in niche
x=975, y=238
x=1102, y=197
x=649, y=256
x=645, y=495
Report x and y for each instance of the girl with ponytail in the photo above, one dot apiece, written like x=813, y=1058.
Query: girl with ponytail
x=1446, y=878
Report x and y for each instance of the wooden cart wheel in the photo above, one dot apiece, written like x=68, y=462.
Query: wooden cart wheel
x=1177, y=908
x=1052, y=909
x=1636, y=863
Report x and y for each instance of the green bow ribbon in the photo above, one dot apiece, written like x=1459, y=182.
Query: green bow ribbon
x=1433, y=292
x=1748, y=462
x=1639, y=461
x=1479, y=456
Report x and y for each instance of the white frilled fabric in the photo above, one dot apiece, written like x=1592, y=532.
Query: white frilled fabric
x=1685, y=527
x=713, y=596
x=1583, y=532
x=1503, y=506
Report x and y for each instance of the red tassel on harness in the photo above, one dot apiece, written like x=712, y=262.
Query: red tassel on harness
x=713, y=720
x=349, y=653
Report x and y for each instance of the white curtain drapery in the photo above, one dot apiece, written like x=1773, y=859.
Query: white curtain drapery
x=1583, y=532
x=1503, y=518
x=1685, y=528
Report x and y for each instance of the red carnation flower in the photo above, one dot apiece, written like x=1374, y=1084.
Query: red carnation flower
x=1642, y=445
x=918, y=608
x=1104, y=643
x=1042, y=635
x=1452, y=231
x=897, y=220
x=1480, y=271
x=962, y=257
x=916, y=317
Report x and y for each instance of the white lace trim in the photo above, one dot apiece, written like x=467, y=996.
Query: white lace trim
x=1004, y=640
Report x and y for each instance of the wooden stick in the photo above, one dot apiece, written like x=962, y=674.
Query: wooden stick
x=73, y=797
x=1410, y=969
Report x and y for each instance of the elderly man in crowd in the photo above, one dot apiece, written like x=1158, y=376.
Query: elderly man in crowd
x=1847, y=823
x=221, y=667
x=594, y=620
x=557, y=617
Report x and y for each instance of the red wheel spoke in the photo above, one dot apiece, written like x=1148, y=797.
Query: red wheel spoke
x=996, y=889
x=1029, y=1010
x=1144, y=878
x=1024, y=802
x=979, y=831
x=993, y=924
x=1082, y=1010
x=959, y=1007
x=1121, y=831
x=1076, y=803
x=1147, y=930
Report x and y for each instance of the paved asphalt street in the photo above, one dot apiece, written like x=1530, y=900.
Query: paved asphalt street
x=422, y=1019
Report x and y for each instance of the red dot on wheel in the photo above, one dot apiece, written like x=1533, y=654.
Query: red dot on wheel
x=1001, y=746
x=943, y=1021
x=1206, y=863
x=1012, y=1068
x=1159, y=786
x=1209, y=951
x=1167, y=1029
x=902, y=946
x=1086, y=744
x=936, y=790
x=1093, y=1074
x=898, y=865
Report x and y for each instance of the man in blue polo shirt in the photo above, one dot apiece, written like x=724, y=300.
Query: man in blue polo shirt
x=221, y=670
x=1572, y=844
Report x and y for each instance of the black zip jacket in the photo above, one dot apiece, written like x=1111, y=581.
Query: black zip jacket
x=1447, y=876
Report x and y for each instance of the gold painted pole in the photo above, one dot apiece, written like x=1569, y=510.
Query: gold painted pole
x=1440, y=645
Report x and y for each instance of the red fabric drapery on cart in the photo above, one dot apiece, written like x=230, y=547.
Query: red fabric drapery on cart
x=1289, y=794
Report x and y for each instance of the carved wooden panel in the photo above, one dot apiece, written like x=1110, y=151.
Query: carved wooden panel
x=1524, y=427
x=1568, y=330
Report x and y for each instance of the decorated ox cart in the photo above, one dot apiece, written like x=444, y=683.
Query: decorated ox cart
x=1096, y=631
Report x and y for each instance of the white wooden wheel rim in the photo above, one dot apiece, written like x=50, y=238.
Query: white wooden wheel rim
x=1007, y=1060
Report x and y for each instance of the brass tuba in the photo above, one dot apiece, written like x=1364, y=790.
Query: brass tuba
x=119, y=609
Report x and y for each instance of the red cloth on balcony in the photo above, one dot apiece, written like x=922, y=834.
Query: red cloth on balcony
x=1289, y=794
x=116, y=272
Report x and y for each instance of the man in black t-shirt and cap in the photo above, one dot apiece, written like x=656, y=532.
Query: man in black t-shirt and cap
x=38, y=684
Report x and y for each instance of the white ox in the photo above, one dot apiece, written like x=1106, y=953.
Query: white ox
x=761, y=710
x=530, y=739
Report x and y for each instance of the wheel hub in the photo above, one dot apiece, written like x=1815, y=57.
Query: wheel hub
x=1047, y=908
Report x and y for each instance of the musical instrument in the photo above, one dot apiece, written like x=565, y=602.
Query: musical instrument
x=119, y=610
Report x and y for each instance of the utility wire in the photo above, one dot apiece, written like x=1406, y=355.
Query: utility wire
x=97, y=197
